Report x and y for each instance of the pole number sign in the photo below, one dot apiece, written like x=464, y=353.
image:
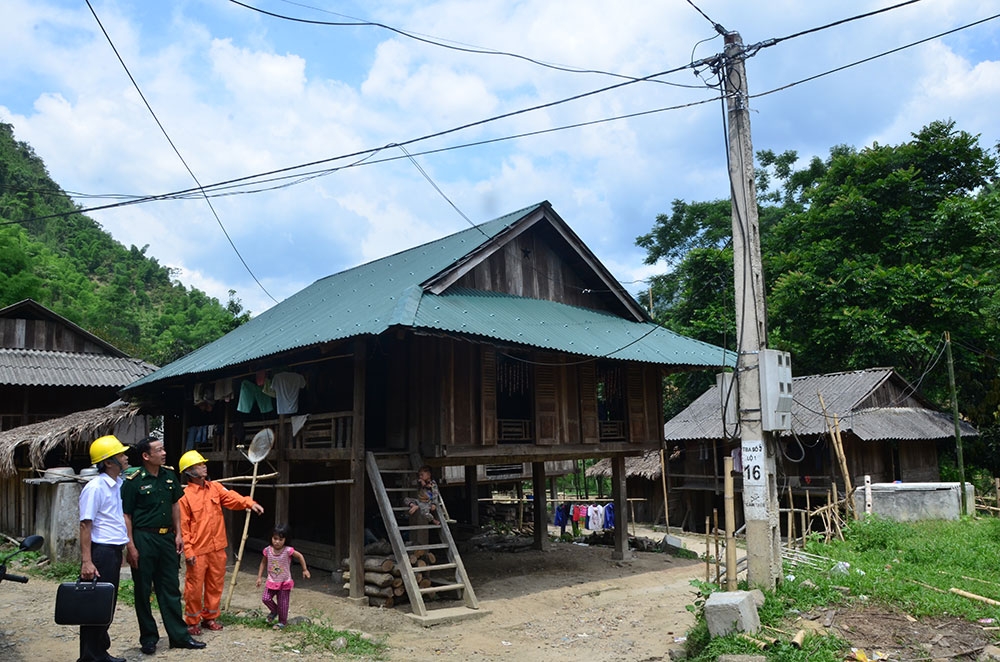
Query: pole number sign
x=753, y=462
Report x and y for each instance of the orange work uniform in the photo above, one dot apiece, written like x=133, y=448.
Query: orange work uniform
x=204, y=532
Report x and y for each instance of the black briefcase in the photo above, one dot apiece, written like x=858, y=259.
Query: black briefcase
x=85, y=603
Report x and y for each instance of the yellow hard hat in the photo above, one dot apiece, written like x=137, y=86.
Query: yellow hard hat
x=105, y=447
x=190, y=459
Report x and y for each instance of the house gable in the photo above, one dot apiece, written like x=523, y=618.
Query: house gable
x=540, y=257
x=30, y=325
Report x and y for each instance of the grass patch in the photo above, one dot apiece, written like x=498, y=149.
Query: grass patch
x=314, y=636
x=879, y=561
x=64, y=571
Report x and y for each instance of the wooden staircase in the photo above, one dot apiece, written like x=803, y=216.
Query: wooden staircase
x=392, y=478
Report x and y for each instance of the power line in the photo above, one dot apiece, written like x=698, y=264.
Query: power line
x=778, y=40
x=718, y=28
x=436, y=41
x=366, y=160
x=176, y=151
x=875, y=57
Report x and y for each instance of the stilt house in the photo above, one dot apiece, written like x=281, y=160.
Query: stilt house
x=507, y=342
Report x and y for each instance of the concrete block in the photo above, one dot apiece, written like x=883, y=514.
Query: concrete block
x=914, y=502
x=758, y=597
x=730, y=612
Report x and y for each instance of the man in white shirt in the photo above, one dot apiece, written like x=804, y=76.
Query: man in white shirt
x=103, y=536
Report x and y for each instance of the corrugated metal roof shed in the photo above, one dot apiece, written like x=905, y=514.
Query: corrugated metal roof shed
x=844, y=394
x=373, y=297
x=31, y=367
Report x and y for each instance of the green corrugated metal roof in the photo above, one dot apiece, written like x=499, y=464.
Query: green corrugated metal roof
x=560, y=327
x=371, y=298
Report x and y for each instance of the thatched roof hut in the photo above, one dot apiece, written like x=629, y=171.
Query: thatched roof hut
x=74, y=432
x=645, y=466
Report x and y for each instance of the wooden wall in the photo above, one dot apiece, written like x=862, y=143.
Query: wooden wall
x=450, y=401
x=18, y=333
x=531, y=266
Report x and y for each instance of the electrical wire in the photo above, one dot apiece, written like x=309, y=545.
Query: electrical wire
x=367, y=154
x=875, y=57
x=778, y=40
x=439, y=42
x=718, y=28
x=176, y=151
x=177, y=194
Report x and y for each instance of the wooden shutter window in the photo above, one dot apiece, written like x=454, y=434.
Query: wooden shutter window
x=488, y=374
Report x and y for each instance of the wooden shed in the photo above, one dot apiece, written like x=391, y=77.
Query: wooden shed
x=50, y=367
x=508, y=342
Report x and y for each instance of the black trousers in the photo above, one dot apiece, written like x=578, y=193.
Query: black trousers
x=94, y=639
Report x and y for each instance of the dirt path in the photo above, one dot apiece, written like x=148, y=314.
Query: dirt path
x=572, y=602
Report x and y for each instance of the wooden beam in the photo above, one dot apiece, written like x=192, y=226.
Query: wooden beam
x=472, y=493
x=357, y=489
x=619, y=493
x=540, y=515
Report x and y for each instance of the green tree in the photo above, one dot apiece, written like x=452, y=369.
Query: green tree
x=68, y=263
x=869, y=257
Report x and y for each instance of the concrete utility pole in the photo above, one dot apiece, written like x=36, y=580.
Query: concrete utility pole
x=760, y=489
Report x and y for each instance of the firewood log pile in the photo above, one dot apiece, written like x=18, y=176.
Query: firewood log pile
x=383, y=577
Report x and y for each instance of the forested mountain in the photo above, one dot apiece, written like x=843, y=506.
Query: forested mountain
x=68, y=263
x=870, y=256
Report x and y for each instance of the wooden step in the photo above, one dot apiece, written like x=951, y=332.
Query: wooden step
x=443, y=587
x=448, y=615
x=420, y=527
x=440, y=566
x=413, y=548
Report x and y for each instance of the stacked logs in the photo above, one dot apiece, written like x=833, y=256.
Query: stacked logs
x=383, y=579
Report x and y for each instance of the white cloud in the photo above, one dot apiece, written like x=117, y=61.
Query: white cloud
x=240, y=93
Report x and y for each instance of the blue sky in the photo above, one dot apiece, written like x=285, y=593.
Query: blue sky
x=242, y=93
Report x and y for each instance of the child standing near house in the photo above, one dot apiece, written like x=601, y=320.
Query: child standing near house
x=427, y=496
x=278, y=587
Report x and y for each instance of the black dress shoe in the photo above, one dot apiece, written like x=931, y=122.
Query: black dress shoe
x=112, y=658
x=148, y=649
x=190, y=643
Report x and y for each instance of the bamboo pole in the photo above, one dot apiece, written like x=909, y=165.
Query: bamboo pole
x=715, y=534
x=807, y=527
x=237, y=479
x=663, y=479
x=827, y=526
x=243, y=540
x=973, y=596
x=708, y=549
x=843, y=468
x=791, y=518
x=730, y=509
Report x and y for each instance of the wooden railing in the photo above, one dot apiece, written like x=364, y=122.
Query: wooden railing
x=514, y=429
x=320, y=431
x=611, y=430
x=331, y=430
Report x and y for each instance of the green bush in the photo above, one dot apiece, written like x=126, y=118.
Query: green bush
x=872, y=532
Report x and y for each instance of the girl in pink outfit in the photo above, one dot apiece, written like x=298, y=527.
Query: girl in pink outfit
x=278, y=588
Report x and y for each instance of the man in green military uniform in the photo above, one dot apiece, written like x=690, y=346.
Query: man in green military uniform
x=152, y=517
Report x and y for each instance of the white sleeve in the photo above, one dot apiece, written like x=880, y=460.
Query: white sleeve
x=89, y=503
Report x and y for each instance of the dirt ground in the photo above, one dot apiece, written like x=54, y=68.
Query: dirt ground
x=571, y=602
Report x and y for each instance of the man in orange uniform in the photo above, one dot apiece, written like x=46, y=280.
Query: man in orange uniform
x=205, y=541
